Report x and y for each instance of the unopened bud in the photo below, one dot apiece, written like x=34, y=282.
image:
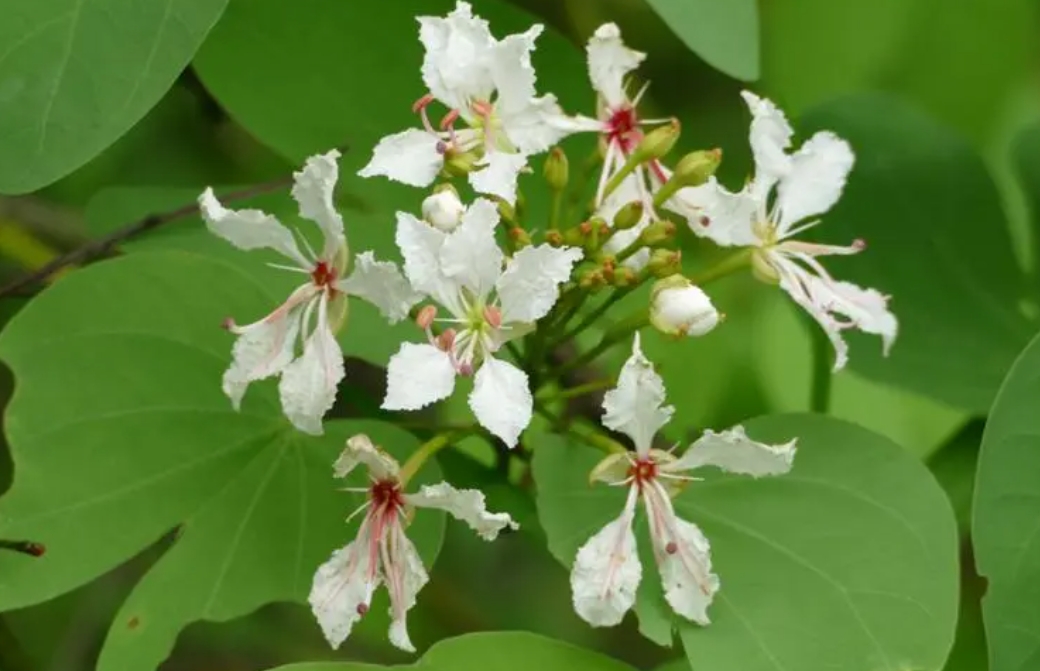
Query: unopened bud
x=521, y=238
x=628, y=215
x=657, y=233
x=506, y=211
x=679, y=308
x=625, y=277
x=554, y=237
x=696, y=167
x=592, y=279
x=665, y=262
x=658, y=142
x=556, y=170
x=443, y=210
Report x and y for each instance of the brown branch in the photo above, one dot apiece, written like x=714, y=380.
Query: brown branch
x=105, y=245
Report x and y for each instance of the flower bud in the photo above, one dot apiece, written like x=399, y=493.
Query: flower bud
x=506, y=211
x=554, y=237
x=679, y=308
x=625, y=277
x=556, y=170
x=592, y=279
x=664, y=262
x=443, y=210
x=696, y=167
x=628, y=215
x=657, y=233
x=658, y=142
x=520, y=237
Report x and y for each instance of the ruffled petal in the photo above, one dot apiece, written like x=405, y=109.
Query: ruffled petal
x=609, y=62
x=249, y=229
x=381, y=284
x=497, y=175
x=816, y=179
x=734, y=452
x=470, y=255
x=313, y=191
x=770, y=137
x=361, y=450
x=531, y=282
x=539, y=125
x=511, y=71
x=417, y=376
x=457, y=48
x=501, y=399
x=466, y=505
x=410, y=157
x=420, y=246
x=636, y=405
x=683, y=558
x=606, y=571
x=308, y=385
x=726, y=218
x=343, y=587
x=405, y=575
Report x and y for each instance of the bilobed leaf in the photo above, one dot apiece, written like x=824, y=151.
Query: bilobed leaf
x=1006, y=518
x=120, y=432
x=937, y=242
x=492, y=651
x=858, y=535
x=725, y=34
x=77, y=74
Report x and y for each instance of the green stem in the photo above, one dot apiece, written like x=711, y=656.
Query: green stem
x=428, y=449
x=820, y=398
x=726, y=266
x=571, y=392
x=619, y=333
x=596, y=439
x=633, y=162
x=557, y=206
x=669, y=189
x=594, y=315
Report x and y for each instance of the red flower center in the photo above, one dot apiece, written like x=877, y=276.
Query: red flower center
x=642, y=471
x=623, y=128
x=323, y=275
x=386, y=495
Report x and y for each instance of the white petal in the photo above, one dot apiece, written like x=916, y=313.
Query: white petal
x=733, y=451
x=636, y=405
x=816, y=179
x=308, y=384
x=539, y=125
x=770, y=137
x=726, y=218
x=836, y=305
x=470, y=255
x=417, y=376
x=606, y=571
x=498, y=175
x=501, y=399
x=466, y=505
x=420, y=246
x=511, y=71
x=361, y=450
x=343, y=588
x=409, y=157
x=249, y=229
x=266, y=347
x=405, y=575
x=610, y=61
x=457, y=47
x=381, y=284
x=313, y=190
x=683, y=558
x=531, y=282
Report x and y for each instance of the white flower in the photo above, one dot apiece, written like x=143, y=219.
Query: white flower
x=443, y=210
x=606, y=571
x=678, y=307
x=314, y=310
x=807, y=183
x=463, y=271
x=488, y=84
x=381, y=553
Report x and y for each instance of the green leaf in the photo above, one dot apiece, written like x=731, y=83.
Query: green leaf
x=938, y=243
x=492, y=651
x=725, y=34
x=77, y=74
x=1006, y=518
x=859, y=535
x=1026, y=157
x=119, y=433
x=303, y=91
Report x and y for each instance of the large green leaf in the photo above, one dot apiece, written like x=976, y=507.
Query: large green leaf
x=350, y=77
x=1006, y=518
x=492, y=651
x=120, y=432
x=1026, y=156
x=848, y=562
x=725, y=34
x=937, y=242
x=77, y=74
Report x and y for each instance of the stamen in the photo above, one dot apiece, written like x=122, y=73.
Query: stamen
x=465, y=369
x=859, y=243
x=449, y=119
x=422, y=102
x=446, y=340
x=493, y=316
x=228, y=324
x=426, y=316
x=639, y=95
x=362, y=608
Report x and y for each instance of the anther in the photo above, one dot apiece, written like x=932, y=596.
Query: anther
x=228, y=324
x=442, y=147
x=465, y=369
x=449, y=119
x=421, y=103
x=859, y=244
x=426, y=316
x=493, y=316
x=446, y=340
x=362, y=608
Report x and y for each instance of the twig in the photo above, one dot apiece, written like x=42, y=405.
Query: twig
x=104, y=245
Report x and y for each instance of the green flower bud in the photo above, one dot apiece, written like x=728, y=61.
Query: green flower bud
x=658, y=233
x=520, y=237
x=696, y=167
x=556, y=170
x=664, y=262
x=628, y=215
x=658, y=142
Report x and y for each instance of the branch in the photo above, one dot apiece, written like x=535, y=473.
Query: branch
x=103, y=246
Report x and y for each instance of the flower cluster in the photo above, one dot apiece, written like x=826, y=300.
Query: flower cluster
x=493, y=302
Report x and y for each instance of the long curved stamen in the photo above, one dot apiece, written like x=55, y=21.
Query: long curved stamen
x=419, y=107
